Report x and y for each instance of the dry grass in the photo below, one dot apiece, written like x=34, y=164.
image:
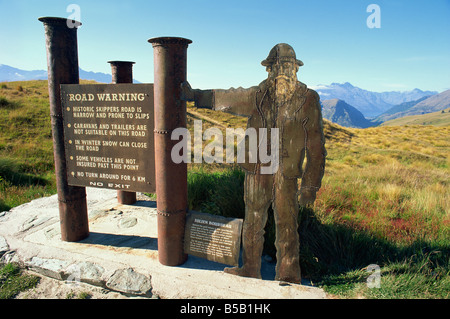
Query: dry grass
x=397, y=178
x=391, y=182
x=385, y=194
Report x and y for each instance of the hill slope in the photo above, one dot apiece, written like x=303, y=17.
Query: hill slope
x=440, y=118
x=397, y=110
x=426, y=105
x=434, y=103
x=339, y=112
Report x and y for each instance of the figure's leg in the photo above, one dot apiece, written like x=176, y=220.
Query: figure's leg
x=258, y=196
x=285, y=209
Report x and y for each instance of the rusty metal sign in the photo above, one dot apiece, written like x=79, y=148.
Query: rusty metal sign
x=108, y=132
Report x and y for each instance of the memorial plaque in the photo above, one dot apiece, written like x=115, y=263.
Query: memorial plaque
x=214, y=238
x=109, y=140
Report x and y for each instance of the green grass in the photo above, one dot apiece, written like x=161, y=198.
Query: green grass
x=26, y=155
x=421, y=276
x=211, y=192
x=13, y=281
x=80, y=295
x=26, y=147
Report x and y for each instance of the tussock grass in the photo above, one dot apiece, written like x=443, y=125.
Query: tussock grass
x=384, y=198
x=26, y=151
x=440, y=118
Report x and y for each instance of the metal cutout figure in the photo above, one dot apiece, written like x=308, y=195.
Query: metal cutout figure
x=283, y=102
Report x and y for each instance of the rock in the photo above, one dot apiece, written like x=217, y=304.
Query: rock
x=52, y=232
x=53, y=268
x=127, y=222
x=3, y=246
x=130, y=282
x=87, y=272
x=10, y=257
x=33, y=222
x=115, y=212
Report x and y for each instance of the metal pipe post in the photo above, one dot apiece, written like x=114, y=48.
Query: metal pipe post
x=62, y=61
x=170, y=64
x=122, y=72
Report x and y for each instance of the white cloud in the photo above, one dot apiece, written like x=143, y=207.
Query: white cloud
x=318, y=87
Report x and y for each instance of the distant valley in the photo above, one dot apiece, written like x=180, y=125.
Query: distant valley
x=368, y=109
x=343, y=104
x=370, y=104
x=339, y=112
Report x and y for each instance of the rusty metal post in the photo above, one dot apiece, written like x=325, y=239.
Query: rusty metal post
x=62, y=61
x=170, y=63
x=122, y=72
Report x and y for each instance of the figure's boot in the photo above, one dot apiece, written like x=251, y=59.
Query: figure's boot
x=288, y=268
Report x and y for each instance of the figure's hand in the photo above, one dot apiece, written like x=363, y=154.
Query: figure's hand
x=307, y=197
x=187, y=94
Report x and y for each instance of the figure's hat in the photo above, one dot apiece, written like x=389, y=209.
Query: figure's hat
x=281, y=52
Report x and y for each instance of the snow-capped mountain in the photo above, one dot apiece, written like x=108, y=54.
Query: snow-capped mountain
x=370, y=104
x=9, y=74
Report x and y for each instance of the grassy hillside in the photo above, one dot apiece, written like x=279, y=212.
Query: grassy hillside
x=440, y=118
x=384, y=198
x=26, y=148
x=26, y=156
x=392, y=182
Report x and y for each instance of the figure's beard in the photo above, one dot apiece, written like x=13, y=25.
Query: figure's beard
x=282, y=88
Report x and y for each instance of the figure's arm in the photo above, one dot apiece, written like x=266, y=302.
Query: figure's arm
x=236, y=101
x=315, y=150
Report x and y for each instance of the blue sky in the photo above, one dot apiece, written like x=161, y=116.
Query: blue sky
x=231, y=38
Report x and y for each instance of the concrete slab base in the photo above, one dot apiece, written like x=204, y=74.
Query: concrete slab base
x=121, y=254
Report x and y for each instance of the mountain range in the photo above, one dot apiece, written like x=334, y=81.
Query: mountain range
x=370, y=104
x=9, y=74
x=340, y=112
x=343, y=104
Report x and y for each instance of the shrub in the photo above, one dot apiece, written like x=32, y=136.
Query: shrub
x=7, y=104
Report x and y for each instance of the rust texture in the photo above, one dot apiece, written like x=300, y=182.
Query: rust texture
x=283, y=102
x=62, y=61
x=170, y=68
x=122, y=72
